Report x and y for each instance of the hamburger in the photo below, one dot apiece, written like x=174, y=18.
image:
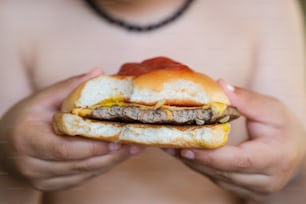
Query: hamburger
x=158, y=102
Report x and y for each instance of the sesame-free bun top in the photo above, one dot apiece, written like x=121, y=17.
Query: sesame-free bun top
x=148, y=83
x=180, y=87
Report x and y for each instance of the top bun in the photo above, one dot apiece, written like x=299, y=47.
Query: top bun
x=168, y=81
x=97, y=90
x=177, y=87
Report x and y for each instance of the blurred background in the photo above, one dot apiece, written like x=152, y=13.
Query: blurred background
x=303, y=2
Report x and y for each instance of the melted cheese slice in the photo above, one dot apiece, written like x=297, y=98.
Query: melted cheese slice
x=216, y=107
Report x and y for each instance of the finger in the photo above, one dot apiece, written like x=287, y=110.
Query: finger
x=72, y=148
x=54, y=95
x=42, y=143
x=242, y=191
x=254, y=182
x=47, y=169
x=254, y=106
x=66, y=182
x=249, y=157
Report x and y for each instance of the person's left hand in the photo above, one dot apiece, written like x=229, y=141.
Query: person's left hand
x=265, y=163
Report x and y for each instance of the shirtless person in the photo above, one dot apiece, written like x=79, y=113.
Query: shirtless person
x=257, y=45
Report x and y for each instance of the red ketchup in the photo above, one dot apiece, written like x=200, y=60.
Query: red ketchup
x=157, y=63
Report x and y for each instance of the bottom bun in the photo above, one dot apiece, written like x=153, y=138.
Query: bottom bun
x=208, y=136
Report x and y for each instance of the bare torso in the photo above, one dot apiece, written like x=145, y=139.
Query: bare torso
x=65, y=39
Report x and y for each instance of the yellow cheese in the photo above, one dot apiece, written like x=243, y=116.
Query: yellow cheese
x=83, y=112
x=226, y=127
x=218, y=107
x=111, y=101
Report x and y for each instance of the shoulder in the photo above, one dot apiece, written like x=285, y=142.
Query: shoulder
x=26, y=24
x=32, y=16
x=19, y=20
x=29, y=15
x=270, y=16
x=260, y=18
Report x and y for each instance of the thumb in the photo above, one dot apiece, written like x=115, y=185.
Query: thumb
x=254, y=106
x=53, y=96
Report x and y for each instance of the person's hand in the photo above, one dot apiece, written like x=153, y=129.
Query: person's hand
x=268, y=161
x=30, y=149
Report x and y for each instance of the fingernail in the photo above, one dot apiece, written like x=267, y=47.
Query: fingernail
x=230, y=87
x=135, y=150
x=114, y=146
x=227, y=85
x=94, y=72
x=188, y=154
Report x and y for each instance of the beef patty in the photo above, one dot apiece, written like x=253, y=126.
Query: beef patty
x=164, y=114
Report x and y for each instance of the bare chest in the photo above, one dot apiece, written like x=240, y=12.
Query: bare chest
x=204, y=42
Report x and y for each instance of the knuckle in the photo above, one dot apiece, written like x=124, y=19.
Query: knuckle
x=61, y=150
x=243, y=162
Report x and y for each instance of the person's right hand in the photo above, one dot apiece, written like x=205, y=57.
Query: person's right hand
x=30, y=149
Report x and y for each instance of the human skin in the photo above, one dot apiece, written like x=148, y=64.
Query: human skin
x=251, y=45
x=242, y=169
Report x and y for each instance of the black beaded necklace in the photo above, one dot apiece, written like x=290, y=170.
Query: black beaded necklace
x=100, y=11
